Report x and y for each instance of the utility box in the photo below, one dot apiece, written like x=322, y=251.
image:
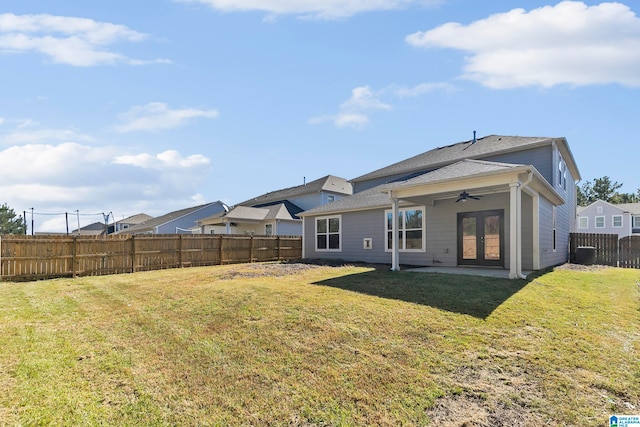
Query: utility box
x=585, y=255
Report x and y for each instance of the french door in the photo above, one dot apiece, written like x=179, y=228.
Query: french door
x=481, y=238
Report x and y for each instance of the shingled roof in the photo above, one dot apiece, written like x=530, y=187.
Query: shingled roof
x=327, y=183
x=479, y=148
x=378, y=197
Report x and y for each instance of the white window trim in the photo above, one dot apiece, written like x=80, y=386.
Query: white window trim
x=613, y=221
x=424, y=228
x=315, y=222
x=586, y=219
x=604, y=221
x=635, y=221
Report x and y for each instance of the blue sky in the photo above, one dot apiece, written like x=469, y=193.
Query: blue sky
x=126, y=107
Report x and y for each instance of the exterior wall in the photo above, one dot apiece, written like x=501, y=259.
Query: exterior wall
x=541, y=158
x=189, y=221
x=287, y=228
x=608, y=211
x=548, y=255
x=441, y=233
x=310, y=201
x=307, y=201
x=527, y=231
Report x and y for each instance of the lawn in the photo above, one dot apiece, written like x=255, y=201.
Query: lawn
x=306, y=345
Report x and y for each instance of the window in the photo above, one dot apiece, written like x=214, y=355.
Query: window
x=328, y=233
x=636, y=222
x=562, y=173
x=617, y=221
x=555, y=230
x=268, y=229
x=599, y=222
x=583, y=222
x=331, y=198
x=410, y=229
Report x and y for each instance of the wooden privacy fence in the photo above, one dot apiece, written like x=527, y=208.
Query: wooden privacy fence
x=42, y=257
x=609, y=250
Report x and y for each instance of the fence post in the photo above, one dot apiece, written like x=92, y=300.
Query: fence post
x=133, y=253
x=74, y=251
x=220, y=250
x=251, y=248
x=180, y=250
x=278, y=246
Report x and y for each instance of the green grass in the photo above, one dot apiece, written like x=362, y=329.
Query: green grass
x=284, y=344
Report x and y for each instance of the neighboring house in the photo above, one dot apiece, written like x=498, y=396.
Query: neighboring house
x=129, y=222
x=95, y=229
x=276, y=213
x=176, y=222
x=607, y=218
x=500, y=201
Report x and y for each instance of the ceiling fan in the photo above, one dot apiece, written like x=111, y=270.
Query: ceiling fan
x=464, y=196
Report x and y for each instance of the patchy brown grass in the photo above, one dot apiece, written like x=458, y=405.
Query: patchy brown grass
x=313, y=345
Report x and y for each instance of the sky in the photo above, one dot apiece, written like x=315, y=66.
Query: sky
x=119, y=107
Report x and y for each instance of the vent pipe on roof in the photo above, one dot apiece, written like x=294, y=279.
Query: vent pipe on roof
x=474, y=137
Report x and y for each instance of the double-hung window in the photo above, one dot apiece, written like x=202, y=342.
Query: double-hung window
x=328, y=233
x=583, y=222
x=617, y=221
x=600, y=222
x=411, y=229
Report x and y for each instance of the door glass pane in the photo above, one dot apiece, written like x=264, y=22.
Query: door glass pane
x=492, y=237
x=469, y=249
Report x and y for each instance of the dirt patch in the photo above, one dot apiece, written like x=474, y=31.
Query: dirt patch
x=580, y=267
x=278, y=269
x=488, y=396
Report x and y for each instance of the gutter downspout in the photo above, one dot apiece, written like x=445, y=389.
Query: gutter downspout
x=519, y=228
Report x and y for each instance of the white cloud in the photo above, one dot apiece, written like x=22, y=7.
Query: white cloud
x=68, y=176
x=353, y=112
x=569, y=43
x=156, y=116
x=67, y=40
x=169, y=159
x=20, y=136
x=320, y=9
x=421, y=89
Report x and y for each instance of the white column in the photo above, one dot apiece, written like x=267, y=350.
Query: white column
x=395, y=253
x=513, y=230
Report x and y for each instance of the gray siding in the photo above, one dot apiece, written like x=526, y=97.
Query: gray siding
x=289, y=228
x=441, y=233
x=307, y=201
x=541, y=158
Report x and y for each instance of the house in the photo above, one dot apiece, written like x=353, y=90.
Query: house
x=498, y=201
x=94, y=229
x=607, y=218
x=276, y=213
x=176, y=222
x=129, y=222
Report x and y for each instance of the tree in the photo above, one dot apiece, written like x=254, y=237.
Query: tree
x=604, y=189
x=10, y=223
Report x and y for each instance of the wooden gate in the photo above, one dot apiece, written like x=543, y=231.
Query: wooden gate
x=630, y=252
